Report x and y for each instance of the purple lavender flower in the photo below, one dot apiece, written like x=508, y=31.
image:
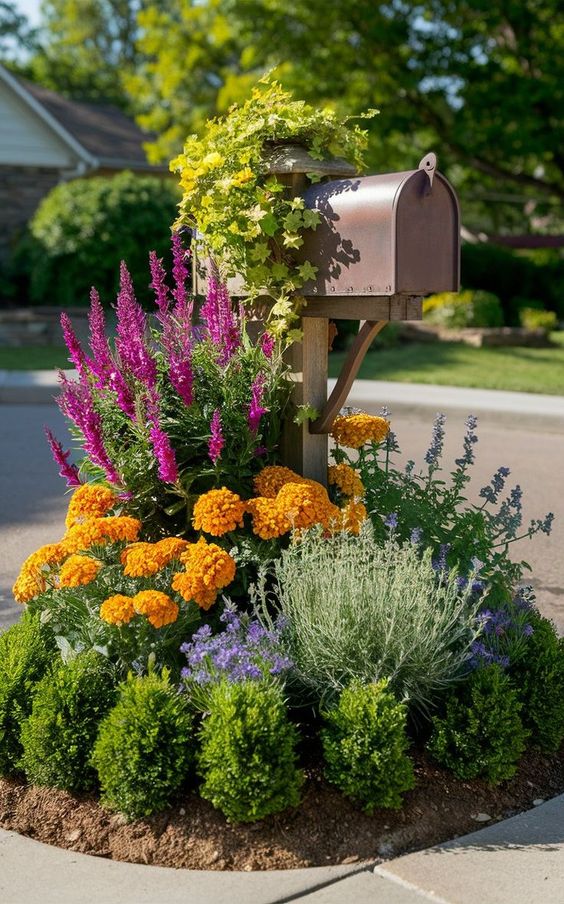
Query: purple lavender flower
x=216, y=442
x=76, y=352
x=441, y=564
x=435, y=450
x=267, y=343
x=257, y=409
x=416, y=536
x=66, y=470
x=131, y=332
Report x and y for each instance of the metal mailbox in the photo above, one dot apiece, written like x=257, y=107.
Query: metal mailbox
x=384, y=235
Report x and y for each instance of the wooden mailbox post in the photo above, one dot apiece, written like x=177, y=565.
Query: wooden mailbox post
x=383, y=242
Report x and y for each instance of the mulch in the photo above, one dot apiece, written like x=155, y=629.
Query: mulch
x=325, y=829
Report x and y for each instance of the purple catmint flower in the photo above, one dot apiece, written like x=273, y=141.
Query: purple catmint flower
x=391, y=520
x=470, y=439
x=435, y=450
x=257, y=409
x=267, y=343
x=216, y=442
x=101, y=363
x=491, y=492
x=416, y=536
x=76, y=352
x=159, y=286
x=76, y=403
x=223, y=328
x=131, y=333
x=66, y=470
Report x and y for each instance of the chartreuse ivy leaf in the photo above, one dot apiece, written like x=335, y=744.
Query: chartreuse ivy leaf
x=311, y=218
x=292, y=240
x=313, y=177
x=305, y=413
x=307, y=271
x=269, y=224
x=259, y=252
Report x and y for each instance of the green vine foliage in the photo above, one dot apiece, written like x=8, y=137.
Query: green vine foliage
x=243, y=216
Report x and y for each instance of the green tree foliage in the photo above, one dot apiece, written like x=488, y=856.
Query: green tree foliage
x=15, y=33
x=58, y=737
x=365, y=744
x=480, y=82
x=88, y=47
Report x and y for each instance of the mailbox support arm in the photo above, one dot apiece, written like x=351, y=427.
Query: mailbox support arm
x=354, y=359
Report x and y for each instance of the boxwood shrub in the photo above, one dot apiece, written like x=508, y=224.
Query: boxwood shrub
x=365, y=744
x=145, y=746
x=26, y=652
x=248, y=754
x=58, y=737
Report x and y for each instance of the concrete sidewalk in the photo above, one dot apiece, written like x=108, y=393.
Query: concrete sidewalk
x=517, y=861
x=40, y=386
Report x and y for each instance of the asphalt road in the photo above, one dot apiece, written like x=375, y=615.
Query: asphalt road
x=33, y=501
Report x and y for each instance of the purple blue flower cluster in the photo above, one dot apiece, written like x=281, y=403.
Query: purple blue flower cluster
x=502, y=632
x=435, y=450
x=244, y=651
x=470, y=439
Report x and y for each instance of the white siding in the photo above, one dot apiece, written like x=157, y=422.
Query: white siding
x=25, y=140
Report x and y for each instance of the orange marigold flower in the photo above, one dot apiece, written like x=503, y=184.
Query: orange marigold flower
x=354, y=430
x=99, y=531
x=141, y=560
x=218, y=512
x=353, y=515
x=31, y=579
x=272, y=478
x=117, y=610
x=306, y=504
x=89, y=501
x=171, y=548
x=208, y=569
x=268, y=520
x=346, y=479
x=78, y=570
x=159, y=609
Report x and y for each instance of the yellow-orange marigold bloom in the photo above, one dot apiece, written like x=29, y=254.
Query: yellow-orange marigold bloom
x=353, y=515
x=268, y=520
x=99, y=531
x=354, y=430
x=272, y=478
x=306, y=504
x=346, y=479
x=159, y=609
x=117, y=610
x=208, y=569
x=78, y=570
x=31, y=579
x=171, y=548
x=141, y=560
x=89, y=501
x=218, y=512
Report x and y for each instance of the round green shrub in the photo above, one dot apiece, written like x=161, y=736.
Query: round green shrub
x=83, y=229
x=469, y=308
x=248, y=756
x=481, y=733
x=26, y=652
x=58, y=737
x=535, y=319
x=364, y=745
x=539, y=677
x=144, y=750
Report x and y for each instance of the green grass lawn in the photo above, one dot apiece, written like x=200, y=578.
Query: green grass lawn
x=455, y=364
x=450, y=364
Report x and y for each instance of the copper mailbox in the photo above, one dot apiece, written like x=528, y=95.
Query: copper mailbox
x=386, y=235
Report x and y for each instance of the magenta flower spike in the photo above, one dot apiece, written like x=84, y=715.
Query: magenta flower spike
x=256, y=409
x=76, y=403
x=162, y=449
x=66, y=470
x=222, y=324
x=101, y=362
x=76, y=352
x=267, y=343
x=158, y=284
x=216, y=442
x=179, y=271
x=131, y=333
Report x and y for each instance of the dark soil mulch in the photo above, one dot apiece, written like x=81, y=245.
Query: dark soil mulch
x=325, y=829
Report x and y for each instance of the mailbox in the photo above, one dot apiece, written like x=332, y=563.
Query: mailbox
x=386, y=235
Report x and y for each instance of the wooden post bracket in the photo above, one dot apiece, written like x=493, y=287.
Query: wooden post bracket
x=354, y=359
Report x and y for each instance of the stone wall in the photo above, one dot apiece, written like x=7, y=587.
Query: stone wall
x=21, y=190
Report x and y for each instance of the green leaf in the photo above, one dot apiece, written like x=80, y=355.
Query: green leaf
x=305, y=413
x=269, y=224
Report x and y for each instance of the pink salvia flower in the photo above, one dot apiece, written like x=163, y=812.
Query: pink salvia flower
x=76, y=353
x=216, y=442
x=101, y=362
x=256, y=409
x=162, y=449
x=159, y=286
x=267, y=343
x=179, y=271
x=131, y=332
x=182, y=376
x=223, y=327
x=76, y=403
x=67, y=471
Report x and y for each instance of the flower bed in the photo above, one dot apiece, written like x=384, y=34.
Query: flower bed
x=216, y=633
